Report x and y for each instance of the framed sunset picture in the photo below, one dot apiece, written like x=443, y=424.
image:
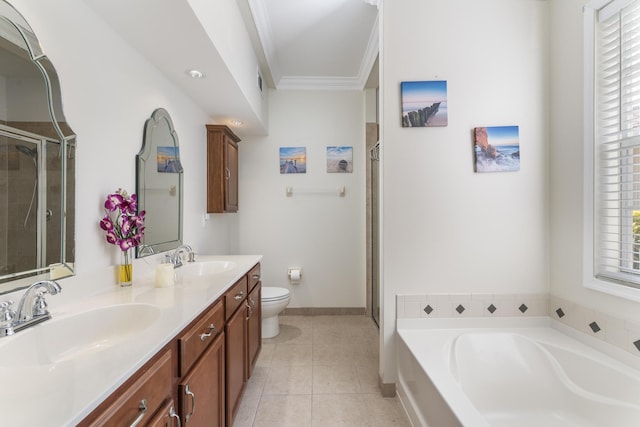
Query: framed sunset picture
x=497, y=149
x=168, y=160
x=424, y=104
x=293, y=160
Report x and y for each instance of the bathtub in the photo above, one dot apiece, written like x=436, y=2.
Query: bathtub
x=505, y=372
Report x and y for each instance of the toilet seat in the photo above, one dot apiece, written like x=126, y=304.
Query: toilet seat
x=270, y=293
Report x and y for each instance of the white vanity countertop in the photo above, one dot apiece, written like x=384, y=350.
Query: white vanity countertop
x=62, y=394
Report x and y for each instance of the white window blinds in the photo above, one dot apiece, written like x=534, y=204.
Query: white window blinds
x=617, y=142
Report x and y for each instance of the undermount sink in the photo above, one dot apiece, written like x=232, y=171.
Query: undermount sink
x=204, y=268
x=76, y=336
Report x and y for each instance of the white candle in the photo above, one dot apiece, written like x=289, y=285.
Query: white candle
x=165, y=276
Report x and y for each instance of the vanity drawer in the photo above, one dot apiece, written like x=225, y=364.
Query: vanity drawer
x=141, y=399
x=197, y=338
x=235, y=296
x=254, y=277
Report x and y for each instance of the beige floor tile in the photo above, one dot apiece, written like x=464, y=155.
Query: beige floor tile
x=336, y=354
x=292, y=355
x=266, y=354
x=284, y=411
x=289, y=380
x=320, y=371
x=337, y=410
x=247, y=411
x=335, y=379
x=255, y=385
x=290, y=334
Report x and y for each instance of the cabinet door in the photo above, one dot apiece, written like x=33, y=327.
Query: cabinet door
x=166, y=416
x=135, y=404
x=231, y=178
x=254, y=327
x=235, y=333
x=201, y=391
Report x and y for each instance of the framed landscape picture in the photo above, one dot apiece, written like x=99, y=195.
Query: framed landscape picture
x=424, y=104
x=293, y=160
x=339, y=159
x=497, y=149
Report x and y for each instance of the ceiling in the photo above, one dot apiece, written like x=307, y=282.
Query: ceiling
x=314, y=44
x=300, y=44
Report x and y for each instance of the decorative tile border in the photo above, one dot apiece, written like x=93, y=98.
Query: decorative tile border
x=618, y=332
x=471, y=305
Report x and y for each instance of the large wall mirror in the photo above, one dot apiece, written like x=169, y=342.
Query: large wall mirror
x=159, y=185
x=37, y=162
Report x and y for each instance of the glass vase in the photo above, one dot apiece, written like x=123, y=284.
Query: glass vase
x=125, y=269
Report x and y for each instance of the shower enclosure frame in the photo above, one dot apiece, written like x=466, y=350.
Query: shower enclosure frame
x=42, y=215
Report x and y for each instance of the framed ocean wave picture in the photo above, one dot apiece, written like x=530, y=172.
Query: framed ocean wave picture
x=497, y=149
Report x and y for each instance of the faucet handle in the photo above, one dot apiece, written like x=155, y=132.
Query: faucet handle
x=6, y=314
x=40, y=307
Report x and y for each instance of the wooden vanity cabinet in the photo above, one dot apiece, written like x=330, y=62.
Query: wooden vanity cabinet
x=236, y=347
x=202, y=369
x=200, y=375
x=222, y=169
x=139, y=398
x=167, y=416
x=254, y=327
x=202, y=390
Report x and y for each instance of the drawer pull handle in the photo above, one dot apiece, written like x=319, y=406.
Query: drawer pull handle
x=250, y=312
x=239, y=296
x=256, y=277
x=172, y=414
x=253, y=303
x=206, y=335
x=142, y=407
x=193, y=403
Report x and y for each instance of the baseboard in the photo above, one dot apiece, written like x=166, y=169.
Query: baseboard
x=386, y=389
x=324, y=311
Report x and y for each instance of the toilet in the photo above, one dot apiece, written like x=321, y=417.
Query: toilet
x=274, y=300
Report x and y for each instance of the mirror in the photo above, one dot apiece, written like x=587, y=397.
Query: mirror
x=37, y=162
x=159, y=185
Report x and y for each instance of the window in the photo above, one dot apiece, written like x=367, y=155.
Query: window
x=612, y=134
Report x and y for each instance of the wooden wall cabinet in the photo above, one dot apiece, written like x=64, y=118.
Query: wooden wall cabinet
x=222, y=169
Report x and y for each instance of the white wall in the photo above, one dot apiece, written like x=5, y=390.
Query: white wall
x=447, y=229
x=108, y=92
x=323, y=234
x=566, y=163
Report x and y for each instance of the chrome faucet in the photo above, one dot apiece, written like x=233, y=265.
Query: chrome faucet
x=175, y=257
x=32, y=308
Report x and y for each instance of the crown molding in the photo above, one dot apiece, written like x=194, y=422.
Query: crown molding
x=263, y=27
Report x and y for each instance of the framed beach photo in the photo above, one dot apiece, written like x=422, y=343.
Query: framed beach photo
x=293, y=160
x=339, y=159
x=497, y=149
x=168, y=159
x=424, y=104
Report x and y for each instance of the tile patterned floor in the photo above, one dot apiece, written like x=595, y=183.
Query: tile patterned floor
x=320, y=371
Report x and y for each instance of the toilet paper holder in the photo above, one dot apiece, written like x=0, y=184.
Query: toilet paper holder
x=295, y=274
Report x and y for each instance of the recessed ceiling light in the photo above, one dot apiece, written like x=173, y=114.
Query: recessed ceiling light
x=237, y=122
x=196, y=74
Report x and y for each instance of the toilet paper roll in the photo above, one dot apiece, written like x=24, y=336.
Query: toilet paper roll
x=165, y=275
x=295, y=275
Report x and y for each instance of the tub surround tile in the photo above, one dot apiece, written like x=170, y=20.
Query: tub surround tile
x=605, y=327
x=470, y=305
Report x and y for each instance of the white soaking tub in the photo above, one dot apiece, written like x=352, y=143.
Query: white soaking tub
x=506, y=372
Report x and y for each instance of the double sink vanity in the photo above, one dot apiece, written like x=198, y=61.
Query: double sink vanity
x=141, y=355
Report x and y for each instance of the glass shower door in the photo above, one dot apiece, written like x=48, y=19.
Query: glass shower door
x=375, y=234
